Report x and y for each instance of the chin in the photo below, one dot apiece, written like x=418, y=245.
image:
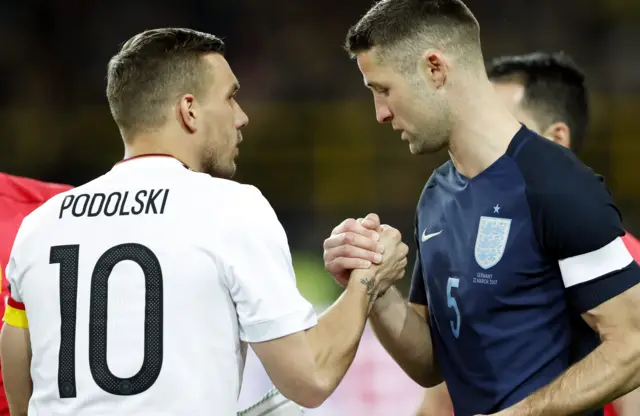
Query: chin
x=418, y=149
x=422, y=147
x=222, y=173
x=414, y=149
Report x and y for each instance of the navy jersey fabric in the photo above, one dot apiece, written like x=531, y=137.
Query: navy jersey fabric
x=503, y=321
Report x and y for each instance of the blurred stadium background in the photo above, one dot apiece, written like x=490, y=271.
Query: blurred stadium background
x=312, y=146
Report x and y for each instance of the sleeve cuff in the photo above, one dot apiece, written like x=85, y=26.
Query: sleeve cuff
x=280, y=327
x=591, y=294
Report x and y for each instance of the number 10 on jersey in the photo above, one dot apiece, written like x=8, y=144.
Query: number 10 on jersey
x=68, y=257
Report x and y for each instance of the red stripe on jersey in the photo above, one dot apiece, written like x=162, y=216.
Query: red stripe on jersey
x=15, y=304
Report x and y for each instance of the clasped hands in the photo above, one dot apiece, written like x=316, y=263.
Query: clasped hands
x=363, y=244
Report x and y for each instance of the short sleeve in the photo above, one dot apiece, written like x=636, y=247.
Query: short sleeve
x=261, y=279
x=579, y=226
x=15, y=313
x=418, y=291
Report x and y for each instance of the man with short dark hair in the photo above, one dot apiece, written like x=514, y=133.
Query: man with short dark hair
x=547, y=93
x=520, y=267
x=144, y=286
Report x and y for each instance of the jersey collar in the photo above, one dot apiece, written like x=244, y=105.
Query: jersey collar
x=153, y=159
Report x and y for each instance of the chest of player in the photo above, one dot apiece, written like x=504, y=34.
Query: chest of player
x=480, y=256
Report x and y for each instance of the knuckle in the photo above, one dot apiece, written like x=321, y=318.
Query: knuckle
x=342, y=226
x=349, y=224
x=344, y=251
x=328, y=257
x=347, y=251
x=348, y=238
x=329, y=267
x=335, y=267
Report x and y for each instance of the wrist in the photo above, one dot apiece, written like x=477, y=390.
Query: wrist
x=362, y=280
x=383, y=301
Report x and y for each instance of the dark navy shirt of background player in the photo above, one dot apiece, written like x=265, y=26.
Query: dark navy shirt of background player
x=519, y=327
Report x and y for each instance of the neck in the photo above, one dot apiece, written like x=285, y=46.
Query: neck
x=482, y=130
x=145, y=145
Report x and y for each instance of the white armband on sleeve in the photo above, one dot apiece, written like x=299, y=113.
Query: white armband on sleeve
x=589, y=266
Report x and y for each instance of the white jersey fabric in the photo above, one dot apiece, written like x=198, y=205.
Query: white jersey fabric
x=141, y=286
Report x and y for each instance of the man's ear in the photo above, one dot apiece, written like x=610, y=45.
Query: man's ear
x=560, y=133
x=433, y=66
x=186, y=112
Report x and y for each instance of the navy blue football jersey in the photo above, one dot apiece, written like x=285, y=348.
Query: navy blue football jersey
x=507, y=263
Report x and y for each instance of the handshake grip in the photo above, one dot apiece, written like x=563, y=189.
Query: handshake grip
x=273, y=404
x=357, y=245
x=392, y=268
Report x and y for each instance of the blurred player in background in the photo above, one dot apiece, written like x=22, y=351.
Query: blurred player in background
x=18, y=198
x=547, y=93
x=142, y=286
x=524, y=296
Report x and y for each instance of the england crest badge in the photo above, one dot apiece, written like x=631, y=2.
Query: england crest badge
x=491, y=240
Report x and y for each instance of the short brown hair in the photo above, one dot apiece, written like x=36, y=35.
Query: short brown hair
x=152, y=68
x=389, y=23
x=554, y=89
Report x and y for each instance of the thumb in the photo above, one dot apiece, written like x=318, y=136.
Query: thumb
x=371, y=221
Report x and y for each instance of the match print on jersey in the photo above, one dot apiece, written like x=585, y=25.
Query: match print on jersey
x=491, y=240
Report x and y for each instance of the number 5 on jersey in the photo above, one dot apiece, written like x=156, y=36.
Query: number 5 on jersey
x=453, y=282
x=68, y=258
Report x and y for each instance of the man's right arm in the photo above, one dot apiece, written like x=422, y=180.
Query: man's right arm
x=402, y=330
x=305, y=357
x=307, y=366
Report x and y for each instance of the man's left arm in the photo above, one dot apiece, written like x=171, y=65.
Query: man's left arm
x=610, y=371
x=581, y=227
x=15, y=349
x=15, y=352
x=629, y=405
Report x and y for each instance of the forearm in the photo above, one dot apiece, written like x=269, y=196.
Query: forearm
x=405, y=334
x=15, y=353
x=436, y=402
x=610, y=371
x=335, y=339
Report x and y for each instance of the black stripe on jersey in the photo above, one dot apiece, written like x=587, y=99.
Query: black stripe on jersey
x=589, y=295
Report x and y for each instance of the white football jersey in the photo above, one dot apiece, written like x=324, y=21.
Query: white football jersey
x=141, y=287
